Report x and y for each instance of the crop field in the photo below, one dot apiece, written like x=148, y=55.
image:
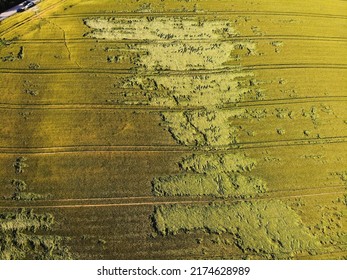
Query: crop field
x=174, y=129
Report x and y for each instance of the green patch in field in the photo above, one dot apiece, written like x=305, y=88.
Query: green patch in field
x=30, y=88
x=202, y=127
x=217, y=163
x=211, y=175
x=217, y=185
x=19, y=185
x=20, y=192
x=342, y=176
x=174, y=43
x=158, y=28
x=330, y=229
x=34, y=66
x=24, y=235
x=270, y=228
x=4, y=42
x=20, y=165
x=12, y=56
x=28, y=196
x=256, y=114
x=208, y=91
x=313, y=114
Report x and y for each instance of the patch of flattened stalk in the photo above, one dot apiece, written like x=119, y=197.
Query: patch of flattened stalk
x=177, y=56
x=20, y=186
x=205, y=90
x=185, y=44
x=168, y=48
x=268, y=228
x=158, y=28
x=217, y=163
x=180, y=56
x=211, y=175
x=25, y=235
x=173, y=43
x=343, y=177
x=330, y=230
x=12, y=56
x=202, y=127
x=331, y=227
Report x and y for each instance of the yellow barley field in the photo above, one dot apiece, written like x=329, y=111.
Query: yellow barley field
x=183, y=129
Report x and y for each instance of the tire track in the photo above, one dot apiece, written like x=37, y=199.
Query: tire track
x=125, y=71
x=323, y=256
x=287, y=102
x=170, y=148
x=236, y=38
x=200, y=13
x=152, y=197
x=100, y=106
x=170, y=202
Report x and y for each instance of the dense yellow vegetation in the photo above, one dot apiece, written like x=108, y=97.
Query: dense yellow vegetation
x=174, y=129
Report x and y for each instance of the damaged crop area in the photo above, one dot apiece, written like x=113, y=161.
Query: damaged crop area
x=183, y=129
